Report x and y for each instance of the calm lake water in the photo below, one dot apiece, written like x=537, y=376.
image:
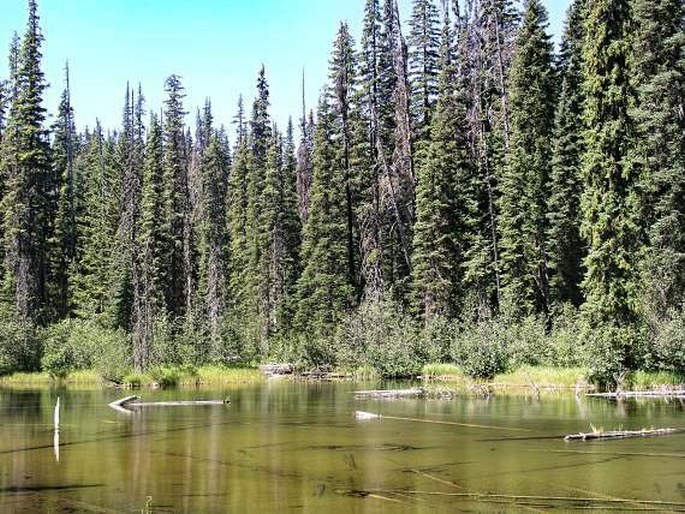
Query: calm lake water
x=284, y=447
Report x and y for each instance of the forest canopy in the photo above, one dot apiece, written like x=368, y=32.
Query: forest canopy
x=462, y=192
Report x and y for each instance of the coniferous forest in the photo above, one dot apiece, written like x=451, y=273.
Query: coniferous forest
x=461, y=193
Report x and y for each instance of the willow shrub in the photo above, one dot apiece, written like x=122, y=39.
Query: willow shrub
x=73, y=345
x=381, y=335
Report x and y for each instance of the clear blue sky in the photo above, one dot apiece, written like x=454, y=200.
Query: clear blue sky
x=217, y=46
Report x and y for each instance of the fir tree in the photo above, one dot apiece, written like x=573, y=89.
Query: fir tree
x=212, y=243
x=324, y=289
x=611, y=196
x=659, y=77
x=151, y=302
x=565, y=246
x=424, y=57
x=440, y=232
x=26, y=167
x=524, y=184
x=64, y=238
x=342, y=76
x=176, y=216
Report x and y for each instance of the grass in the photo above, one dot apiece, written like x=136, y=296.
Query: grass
x=647, y=380
x=222, y=375
x=85, y=377
x=166, y=376
x=366, y=374
x=542, y=377
x=441, y=371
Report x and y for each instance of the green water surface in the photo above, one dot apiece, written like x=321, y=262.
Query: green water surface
x=284, y=447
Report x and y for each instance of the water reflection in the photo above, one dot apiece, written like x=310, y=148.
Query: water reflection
x=284, y=447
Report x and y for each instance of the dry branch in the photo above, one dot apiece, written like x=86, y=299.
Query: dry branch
x=619, y=434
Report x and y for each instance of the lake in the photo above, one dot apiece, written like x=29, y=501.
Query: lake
x=289, y=447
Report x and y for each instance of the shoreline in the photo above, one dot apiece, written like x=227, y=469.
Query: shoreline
x=437, y=380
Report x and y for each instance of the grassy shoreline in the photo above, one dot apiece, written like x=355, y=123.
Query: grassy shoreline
x=436, y=376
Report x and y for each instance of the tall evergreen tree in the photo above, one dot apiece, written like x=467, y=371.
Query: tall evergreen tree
x=26, y=168
x=424, y=58
x=524, y=184
x=659, y=77
x=611, y=197
x=565, y=246
x=212, y=237
x=176, y=216
x=343, y=78
x=324, y=289
x=440, y=232
x=64, y=242
x=92, y=291
x=151, y=305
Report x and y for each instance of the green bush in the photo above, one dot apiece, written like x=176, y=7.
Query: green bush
x=436, y=340
x=72, y=345
x=380, y=335
x=527, y=342
x=481, y=349
x=20, y=347
x=166, y=376
x=612, y=351
x=568, y=338
x=667, y=351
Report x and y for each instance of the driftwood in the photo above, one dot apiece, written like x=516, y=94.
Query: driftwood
x=125, y=405
x=678, y=394
x=391, y=394
x=619, y=434
x=277, y=370
x=365, y=416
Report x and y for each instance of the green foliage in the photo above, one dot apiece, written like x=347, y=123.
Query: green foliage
x=166, y=376
x=73, y=345
x=611, y=197
x=525, y=181
x=564, y=244
x=481, y=349
x=20, y=347
x=440, y=230
x=380, y=335
x=613, y=354
x=666, y=350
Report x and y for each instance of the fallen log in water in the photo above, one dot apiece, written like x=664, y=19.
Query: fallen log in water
x=120, y=405
x=676, y=394
x=619, y=434
x=391, y=394
x=126, y=405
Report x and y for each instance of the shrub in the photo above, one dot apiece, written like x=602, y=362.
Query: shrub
x=72, y=345
x=613, y=351
x=20, y=348
x=379, y=334
x=481, y=349
x=527, y=341
x=166, y=376
x=667, y=351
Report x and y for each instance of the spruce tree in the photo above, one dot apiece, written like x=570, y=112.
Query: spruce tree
x=565, y=247
x=324, y=289
x=151, y=302
x=26, y=168
x=212, y=237
x=659, y=77
x=440, y=231
x=64, y=242
x=343, y=78
x=424, y=57
x=175, y=218
x=611, y=197
x=524, y=183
